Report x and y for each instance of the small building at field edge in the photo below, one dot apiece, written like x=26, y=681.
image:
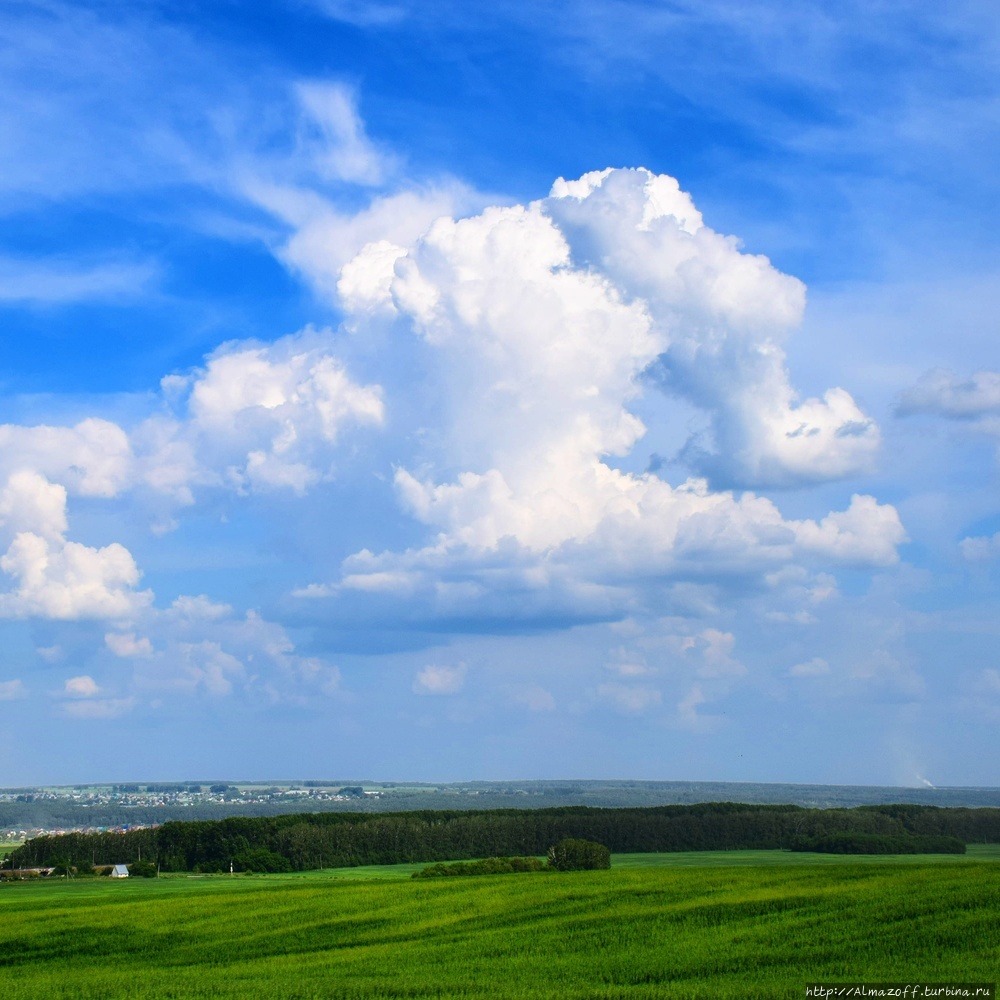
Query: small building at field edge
x=119, y=871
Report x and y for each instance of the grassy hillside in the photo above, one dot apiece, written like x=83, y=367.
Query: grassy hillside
x=644, y=932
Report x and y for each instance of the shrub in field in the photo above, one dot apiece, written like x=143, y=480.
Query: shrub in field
x=571, y=855
x=142, y=869
x=488, y=866
x=260, y=859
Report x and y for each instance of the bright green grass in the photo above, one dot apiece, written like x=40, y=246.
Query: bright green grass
x=372, y=871
x=699, y=859
x=722, y=931
x=687, y=859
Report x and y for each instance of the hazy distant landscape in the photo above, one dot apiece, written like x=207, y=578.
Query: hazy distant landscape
x=25, y=811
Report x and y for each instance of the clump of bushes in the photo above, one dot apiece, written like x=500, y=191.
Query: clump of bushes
x=571, y=855
x=260, y=859
x=487, y=866
x=142, y=869
x=876, y=843
x=568, y=855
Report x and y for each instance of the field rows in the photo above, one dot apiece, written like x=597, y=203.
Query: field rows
x=634, y=932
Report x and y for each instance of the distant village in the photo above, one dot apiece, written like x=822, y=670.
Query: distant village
x=304, y=796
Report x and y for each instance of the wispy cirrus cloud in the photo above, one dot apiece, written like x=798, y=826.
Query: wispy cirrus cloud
x=62, y=282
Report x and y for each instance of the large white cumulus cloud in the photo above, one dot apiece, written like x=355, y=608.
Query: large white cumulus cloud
x=544, y=322
x=537, y=329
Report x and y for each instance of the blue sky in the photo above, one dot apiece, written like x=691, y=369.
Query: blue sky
x=445, y=391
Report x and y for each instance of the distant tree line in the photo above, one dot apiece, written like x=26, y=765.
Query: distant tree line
x=878, y=843
x=317, y=840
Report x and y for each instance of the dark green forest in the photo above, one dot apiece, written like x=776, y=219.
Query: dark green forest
x=316, y=840
x=874, y=843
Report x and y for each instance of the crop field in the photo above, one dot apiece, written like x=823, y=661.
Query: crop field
x=642, y=930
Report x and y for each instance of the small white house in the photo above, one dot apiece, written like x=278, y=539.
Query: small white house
x=119, y=871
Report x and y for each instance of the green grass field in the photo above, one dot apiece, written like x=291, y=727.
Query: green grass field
x=737, y=925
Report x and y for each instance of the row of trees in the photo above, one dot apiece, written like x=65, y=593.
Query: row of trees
x=874, y=843
x=567, y=856
x=315, y=840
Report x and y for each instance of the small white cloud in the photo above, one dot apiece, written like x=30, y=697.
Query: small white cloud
x=690, y=718
x=82, y=687
x=815, y=667
x=126, y=644
x=867, y=533
x=208, y=666
x=440, y=679
x=390, y=582
x=627, y=664
x=256, y=418
x=200, y=608
x=715, y=648
x=99, y=708
x=29, y=502
x=67, y=580
x=630, y=699
x=316, y=590
x=12, y=690
x=980, y=548
x=800, y=617
x=92, y=458
x=942, y=393
x=54, y=577
x=707, y=654
x=198, y=647
x=534, y=697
